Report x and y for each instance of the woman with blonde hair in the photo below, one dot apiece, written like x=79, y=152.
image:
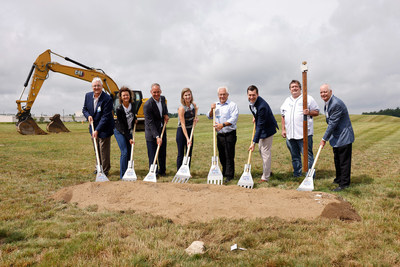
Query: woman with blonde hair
x=187, y=119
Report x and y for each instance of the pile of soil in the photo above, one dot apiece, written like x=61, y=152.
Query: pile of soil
x=185, y=203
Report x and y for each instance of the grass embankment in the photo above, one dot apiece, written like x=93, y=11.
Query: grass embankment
x=37, y=230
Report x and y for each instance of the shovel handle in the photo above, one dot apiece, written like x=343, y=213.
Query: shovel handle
x=215, y=149
x=158, y=146
x=190, y=139
x=251, y=141
x=316, y=157
x=133, y=138
x=95, y=145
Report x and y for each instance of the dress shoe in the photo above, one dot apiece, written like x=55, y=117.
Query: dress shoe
x=162, y=174
x=227, y=180
x=339, y=188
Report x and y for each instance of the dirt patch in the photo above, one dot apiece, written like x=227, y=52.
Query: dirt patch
x=185, y=203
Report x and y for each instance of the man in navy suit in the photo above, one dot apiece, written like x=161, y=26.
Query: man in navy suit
x=98, y=109
x=265, y=129
x=340, y=135
x=155, y=115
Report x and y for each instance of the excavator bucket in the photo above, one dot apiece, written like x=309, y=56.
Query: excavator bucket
x=56, y=125
x=29, y=127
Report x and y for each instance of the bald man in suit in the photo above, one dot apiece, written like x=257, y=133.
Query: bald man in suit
x=339, y=134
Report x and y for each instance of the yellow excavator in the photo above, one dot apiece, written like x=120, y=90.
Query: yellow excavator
x=40, y=70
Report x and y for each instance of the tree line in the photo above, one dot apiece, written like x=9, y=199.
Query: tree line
x=388, y=111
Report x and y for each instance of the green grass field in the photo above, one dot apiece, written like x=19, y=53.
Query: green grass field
x=35, y=230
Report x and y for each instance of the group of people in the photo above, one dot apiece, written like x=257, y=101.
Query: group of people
x=98, y=109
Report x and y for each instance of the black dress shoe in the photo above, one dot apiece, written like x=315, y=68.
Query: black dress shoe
x=162, y=174
x=339, y=188
x=227, y=180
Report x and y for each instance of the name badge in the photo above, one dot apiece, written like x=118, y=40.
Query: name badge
x=98, y=108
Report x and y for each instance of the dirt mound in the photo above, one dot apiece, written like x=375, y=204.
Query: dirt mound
x=342, y=210
x=185, y=203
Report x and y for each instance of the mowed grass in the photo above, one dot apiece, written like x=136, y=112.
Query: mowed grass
x=35, y=230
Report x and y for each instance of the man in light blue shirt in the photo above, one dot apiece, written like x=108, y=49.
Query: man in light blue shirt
x=226, y=116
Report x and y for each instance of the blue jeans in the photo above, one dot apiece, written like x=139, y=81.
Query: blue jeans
x=295, y=147
x=125, y=148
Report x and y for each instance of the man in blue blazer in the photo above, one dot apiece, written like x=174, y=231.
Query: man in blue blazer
x=98, y=109
x=265, y=129
x=340, y=135
x=155, y=115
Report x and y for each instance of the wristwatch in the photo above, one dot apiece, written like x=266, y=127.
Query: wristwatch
x=223, y=124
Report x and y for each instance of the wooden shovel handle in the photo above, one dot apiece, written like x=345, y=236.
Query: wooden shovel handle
x=215, y=148
x=251, y=141
x=158, y=146
x=190, y=140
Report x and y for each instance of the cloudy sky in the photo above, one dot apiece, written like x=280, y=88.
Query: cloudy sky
x=353, y=45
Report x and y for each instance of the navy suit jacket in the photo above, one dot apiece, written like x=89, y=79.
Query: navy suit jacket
x=103, y=120
x=265, y=121
x=339, y=131
x=153, y=119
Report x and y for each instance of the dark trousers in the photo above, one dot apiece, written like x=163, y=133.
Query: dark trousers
x=162, y=154
x=342, y=157
x=226, y=148
x=181, y=142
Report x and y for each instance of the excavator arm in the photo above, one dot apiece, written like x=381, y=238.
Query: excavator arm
x=40, y=70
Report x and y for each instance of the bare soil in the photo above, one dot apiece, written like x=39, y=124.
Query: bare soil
x=185, y=203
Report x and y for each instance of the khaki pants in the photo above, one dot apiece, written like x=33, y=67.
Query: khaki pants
x=265, y=146
x=104, y=146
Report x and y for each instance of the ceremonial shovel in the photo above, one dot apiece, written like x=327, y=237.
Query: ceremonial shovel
x=215, y=174
x=183, y=174
x=246, y=180
x=100, y=176
x=130, y=174
x=308, y=182
x=151, y=176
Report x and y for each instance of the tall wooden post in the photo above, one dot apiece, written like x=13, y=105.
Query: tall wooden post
x=304, y=70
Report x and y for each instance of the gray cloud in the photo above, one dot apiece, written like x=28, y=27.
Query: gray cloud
x=353, y=45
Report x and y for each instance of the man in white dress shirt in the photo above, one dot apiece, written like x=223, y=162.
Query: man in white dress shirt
x=226, y=116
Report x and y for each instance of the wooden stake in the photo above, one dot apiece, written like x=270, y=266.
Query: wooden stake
x=305, y=124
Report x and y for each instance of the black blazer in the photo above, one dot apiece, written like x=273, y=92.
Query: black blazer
x=152, y=119
x=266, y=124
x=121, y=123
